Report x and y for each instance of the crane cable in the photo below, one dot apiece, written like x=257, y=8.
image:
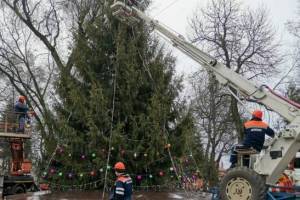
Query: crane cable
x=238, y=99
x=111, y=133
x=165, y=131
x=287, y=73
x=167, y=7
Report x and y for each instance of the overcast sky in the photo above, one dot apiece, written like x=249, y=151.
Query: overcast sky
x=175, y=14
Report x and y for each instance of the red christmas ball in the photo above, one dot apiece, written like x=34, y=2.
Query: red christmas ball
x=60, y=150
x=92, y=173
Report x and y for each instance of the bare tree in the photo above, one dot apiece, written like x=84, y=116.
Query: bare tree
x=36, y=46
x=294, y=28
x=211, y=111
x=242, y=39
x=43, y=23
x=26, y=70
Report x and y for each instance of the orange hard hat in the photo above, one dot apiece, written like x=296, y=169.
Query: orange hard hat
x=258, y=114
x=119, y=166
x=23, y=98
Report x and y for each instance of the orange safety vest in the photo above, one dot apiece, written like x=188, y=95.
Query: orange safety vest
x=286, y=182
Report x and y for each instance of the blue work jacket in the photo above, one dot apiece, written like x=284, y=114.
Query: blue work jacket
x=255, y=131
x=123, y=188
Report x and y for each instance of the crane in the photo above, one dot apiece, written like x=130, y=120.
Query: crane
x=19, y=178
x=241, y=182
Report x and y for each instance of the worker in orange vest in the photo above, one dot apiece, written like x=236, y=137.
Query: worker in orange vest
x=255, y=131
x=122, y=189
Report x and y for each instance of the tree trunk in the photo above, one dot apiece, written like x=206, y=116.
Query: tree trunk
x=237, y=119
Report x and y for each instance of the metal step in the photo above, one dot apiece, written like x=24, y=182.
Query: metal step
x=15, y=135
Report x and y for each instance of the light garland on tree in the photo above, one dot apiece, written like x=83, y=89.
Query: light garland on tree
x=93, y=173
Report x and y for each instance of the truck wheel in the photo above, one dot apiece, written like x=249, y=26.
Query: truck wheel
x=34, y=188
x=18, y=189
x=242, y=183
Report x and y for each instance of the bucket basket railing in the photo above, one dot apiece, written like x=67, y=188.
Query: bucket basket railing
x=15, y=124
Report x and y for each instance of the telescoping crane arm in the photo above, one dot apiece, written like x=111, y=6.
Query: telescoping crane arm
x=223, y=74
x=285, y=147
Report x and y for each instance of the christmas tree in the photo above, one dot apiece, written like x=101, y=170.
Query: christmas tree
x=119, y=102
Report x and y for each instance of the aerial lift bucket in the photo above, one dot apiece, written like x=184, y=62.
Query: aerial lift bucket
x=124, y=13
x=9, y=123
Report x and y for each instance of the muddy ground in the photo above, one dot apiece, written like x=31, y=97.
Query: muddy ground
x=96, y=196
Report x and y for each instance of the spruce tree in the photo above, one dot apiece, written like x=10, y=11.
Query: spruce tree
x=123, y=85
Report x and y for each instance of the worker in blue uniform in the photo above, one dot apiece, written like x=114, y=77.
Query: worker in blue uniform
x=21, y=109
x=122, y=189
x=255, y=131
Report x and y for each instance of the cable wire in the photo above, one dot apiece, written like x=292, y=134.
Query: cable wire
x=167, y=7
x=165, y=131
x=288, y=72
x=111, y=134
x=238, y=99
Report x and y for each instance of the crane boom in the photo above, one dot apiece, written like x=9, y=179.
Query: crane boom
x=223, y=74
x=284, y=147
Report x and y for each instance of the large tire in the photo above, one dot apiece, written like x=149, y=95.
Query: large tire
x=18, y=189
x=242, y=183
x=33, y=188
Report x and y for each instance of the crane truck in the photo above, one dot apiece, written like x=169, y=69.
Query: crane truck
x=18, y=179
x=240, y=183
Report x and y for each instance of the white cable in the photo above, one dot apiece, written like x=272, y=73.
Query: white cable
x=238, y=99
x=164, y=9
x=111, y=133
x=165, y=130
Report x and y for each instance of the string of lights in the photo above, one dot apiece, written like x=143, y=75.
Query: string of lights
x=52, y=173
